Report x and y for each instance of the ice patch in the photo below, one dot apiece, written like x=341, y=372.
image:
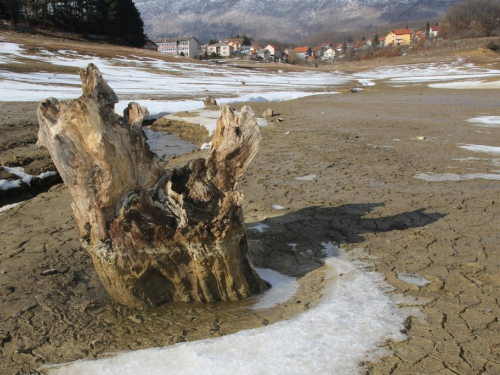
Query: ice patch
x=480, y=148
x=467, y=85
x=206, y=146
x=261, y=227
x=278, y=207
x=435, y=177
x=283, y=288
x=309, y=177
x=414, y=279
x=23, y=177
x=351, y=320
x=8, y=207
x=168, y=145
x=486, y=121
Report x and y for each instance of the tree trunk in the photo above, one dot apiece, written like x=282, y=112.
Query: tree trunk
x=154, y=235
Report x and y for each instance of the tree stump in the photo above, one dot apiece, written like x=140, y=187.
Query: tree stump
x=154, y=235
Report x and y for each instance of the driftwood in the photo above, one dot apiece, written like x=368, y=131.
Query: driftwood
x=155, y=235
x=210, y=101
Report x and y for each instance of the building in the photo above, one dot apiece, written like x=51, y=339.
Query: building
x=220, y=49
x=303, y=52
x=151, y=45
x=274, y=51
x=329, y=54
x=398, y=37
x=175, y=47
x=434, y=31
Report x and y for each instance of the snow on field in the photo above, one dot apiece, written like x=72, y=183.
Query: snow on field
x=433, y=177
x=467, y=85
x=23, y=178
x=480, y=148
x=152, y=81
x=486, y=121
x=439, y=71
x=284, y=287
x=352, y=318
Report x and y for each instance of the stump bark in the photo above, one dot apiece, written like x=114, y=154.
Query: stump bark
x=154, y=235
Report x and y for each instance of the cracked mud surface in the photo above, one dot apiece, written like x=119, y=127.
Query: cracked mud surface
x=356, y=158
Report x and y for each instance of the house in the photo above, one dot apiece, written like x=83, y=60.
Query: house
x=175, y=47
x=329, y=54
x=434, y=31
x=398, y=37
x=303, y=52
x=235, y=42
x=151, y=45
x=264, y=54
x=361, y=44
x=381, y=42
x=220, y=49
x=274, y=51
x=340, y=47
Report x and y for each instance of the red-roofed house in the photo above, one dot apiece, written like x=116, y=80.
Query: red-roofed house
x=398, y=37
x=434, y=31
x=303, y=52
x=274, y=51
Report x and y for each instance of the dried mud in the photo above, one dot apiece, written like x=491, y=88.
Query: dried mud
x=364, y=151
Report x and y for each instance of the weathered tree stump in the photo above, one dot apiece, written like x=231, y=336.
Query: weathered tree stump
x=210, y=101
x=154, y=235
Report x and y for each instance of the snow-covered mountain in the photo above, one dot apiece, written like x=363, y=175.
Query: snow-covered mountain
x=278, y=19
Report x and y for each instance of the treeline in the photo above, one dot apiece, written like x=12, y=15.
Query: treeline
x=472, y=18
x=116, y=18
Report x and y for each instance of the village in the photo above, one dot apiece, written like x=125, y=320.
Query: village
x=327, y=52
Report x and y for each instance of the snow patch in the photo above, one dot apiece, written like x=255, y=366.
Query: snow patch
x=480, y=148
x=351, y=320
x=486, y=121
x=435, y=177
x=283, y=288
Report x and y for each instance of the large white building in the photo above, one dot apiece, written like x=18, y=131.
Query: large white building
x=187, y=46
x=221, y=49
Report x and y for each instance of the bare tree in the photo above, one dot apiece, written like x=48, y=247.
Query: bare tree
x=472, y=18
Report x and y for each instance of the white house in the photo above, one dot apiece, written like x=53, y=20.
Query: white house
x=434, y=31
x=328, y=55
x=175, y=47
x=264, y=54
x=221, y=49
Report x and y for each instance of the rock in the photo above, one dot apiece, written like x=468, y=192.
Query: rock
x=48, y=272
x=268, y=113
x=209, y=101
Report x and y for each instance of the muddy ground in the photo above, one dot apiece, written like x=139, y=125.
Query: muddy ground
x=364, y=151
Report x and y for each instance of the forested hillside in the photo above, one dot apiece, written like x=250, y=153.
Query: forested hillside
x=118, y=18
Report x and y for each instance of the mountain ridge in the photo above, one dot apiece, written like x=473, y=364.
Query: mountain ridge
x=285, y=20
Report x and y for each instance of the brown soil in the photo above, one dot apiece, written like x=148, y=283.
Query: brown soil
x=364, y=150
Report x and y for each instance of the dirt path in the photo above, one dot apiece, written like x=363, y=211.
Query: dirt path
x=359, y=154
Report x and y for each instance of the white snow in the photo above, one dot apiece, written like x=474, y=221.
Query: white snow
x=351, y=320
x=283, y=288
x=8, y=207
x=309, y=177
x=26, y=178
x=433, y=177
x=467, y=85
x=480, y=148
x=486, y=121
x=412, y=278
x=278, y=207
x=261, y=227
